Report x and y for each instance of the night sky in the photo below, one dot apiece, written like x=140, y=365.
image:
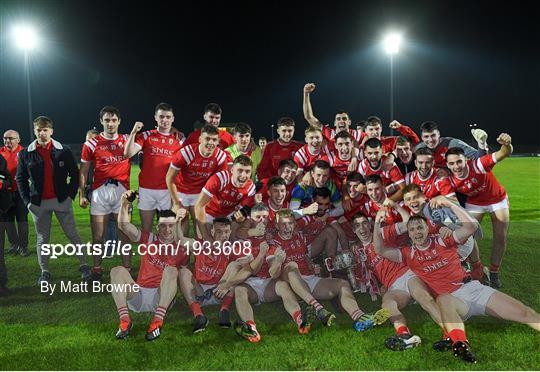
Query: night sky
x=462, y=62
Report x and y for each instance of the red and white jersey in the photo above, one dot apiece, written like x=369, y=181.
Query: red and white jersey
x=330, y=133
x=433, y=185
x=359, y=206
x=388, y=177
x=438, y=265
x=225, y=138
x=371, y=208
x=296, y=250
x=108, y=158
x=339, y=166
x=195, y=169
x=272, y=211
x=273, y=154
x=158, y=150
x=225, y=196
x=152, y=265
x=210, y=268
x=311, y=226
x=263, y=272
x=305, y=159
x=385, y=271
x=480, y=185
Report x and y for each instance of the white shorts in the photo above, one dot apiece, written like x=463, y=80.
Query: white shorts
x=212, y=300
x=106, y=199
x=476, y=296
x=259, y=286
x=312, y=281
x=145, y=300
x=473, y=208
x=188, y=200
x=402, y=283
x=150, y=199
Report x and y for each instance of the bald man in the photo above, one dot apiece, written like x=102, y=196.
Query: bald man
x=17, y=215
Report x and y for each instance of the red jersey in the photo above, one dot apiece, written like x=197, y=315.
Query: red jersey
x=480, y=185
x=312, y=226
x=272, y=211
x=210, y=268
x=12, y=160
x=152, y=265
x=388, y=177
x=295, y=249
x=371, y=209
x=263, y=272
x=225, y=138
x=438, y=265
x=158, y=150
x=195, y=169
x=305, y=159
x=225, y=196
x=340, y=168
x=48, y=170
x=431, y=186
x=273, y=154
x=109, y=160
x=385, y=270
x=330, y=133
x=359, y=206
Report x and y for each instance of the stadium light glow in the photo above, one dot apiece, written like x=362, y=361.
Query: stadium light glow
x=25, y=37
x=391, y=43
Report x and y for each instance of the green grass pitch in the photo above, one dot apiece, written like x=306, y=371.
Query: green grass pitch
x=76, y=331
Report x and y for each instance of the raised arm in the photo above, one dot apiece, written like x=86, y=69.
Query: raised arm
x=131, y=148
x=401, y=226
x=393, y=254
x=124, y=218
x=308, y=110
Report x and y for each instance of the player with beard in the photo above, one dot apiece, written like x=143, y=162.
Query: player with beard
x=212, y=116
x=378, y=200
x=374, y=164
x=158, y=147
x=297, y=270
x=342, y=121
x=279, y=150
x=162, y=257
x=435, y=261
x=401, y=284
x=373, y=129
x=258, y=286
x=319, y=176
x=322, y=232
x=244, y=145
x=286, y=171
x=111, y=179
x=224, y=193
x=313, y=150
x=431, y=180
x=485, y=195
x=431, y=138
x=200, y=287
x=191, y=168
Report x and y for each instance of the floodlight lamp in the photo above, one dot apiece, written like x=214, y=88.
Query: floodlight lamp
x=25, y=37
x=391, y=43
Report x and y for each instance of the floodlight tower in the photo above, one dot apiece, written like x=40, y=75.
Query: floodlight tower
x=26, y=39
x=391, y=46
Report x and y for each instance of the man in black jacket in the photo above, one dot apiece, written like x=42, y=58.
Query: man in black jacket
x=5, y=204
x=47, y=178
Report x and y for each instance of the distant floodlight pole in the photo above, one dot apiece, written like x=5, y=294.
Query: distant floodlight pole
x=391, y=46
x=26, y=39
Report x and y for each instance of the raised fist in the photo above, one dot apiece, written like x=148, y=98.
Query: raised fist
x=395, y=124
x=309, y=87
x=137, y=127
x=504, y=139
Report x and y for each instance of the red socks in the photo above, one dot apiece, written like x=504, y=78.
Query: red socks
x=315, y=304
x=196, y=309
x=123, y=313
x=357, y=314
x=297, y=317
x=227, y=301
x=457, y=335
x=402, y=330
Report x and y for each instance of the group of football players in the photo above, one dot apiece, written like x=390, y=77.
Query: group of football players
x=349, y=210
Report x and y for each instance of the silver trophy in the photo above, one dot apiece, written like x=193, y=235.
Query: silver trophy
x=343, y=262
